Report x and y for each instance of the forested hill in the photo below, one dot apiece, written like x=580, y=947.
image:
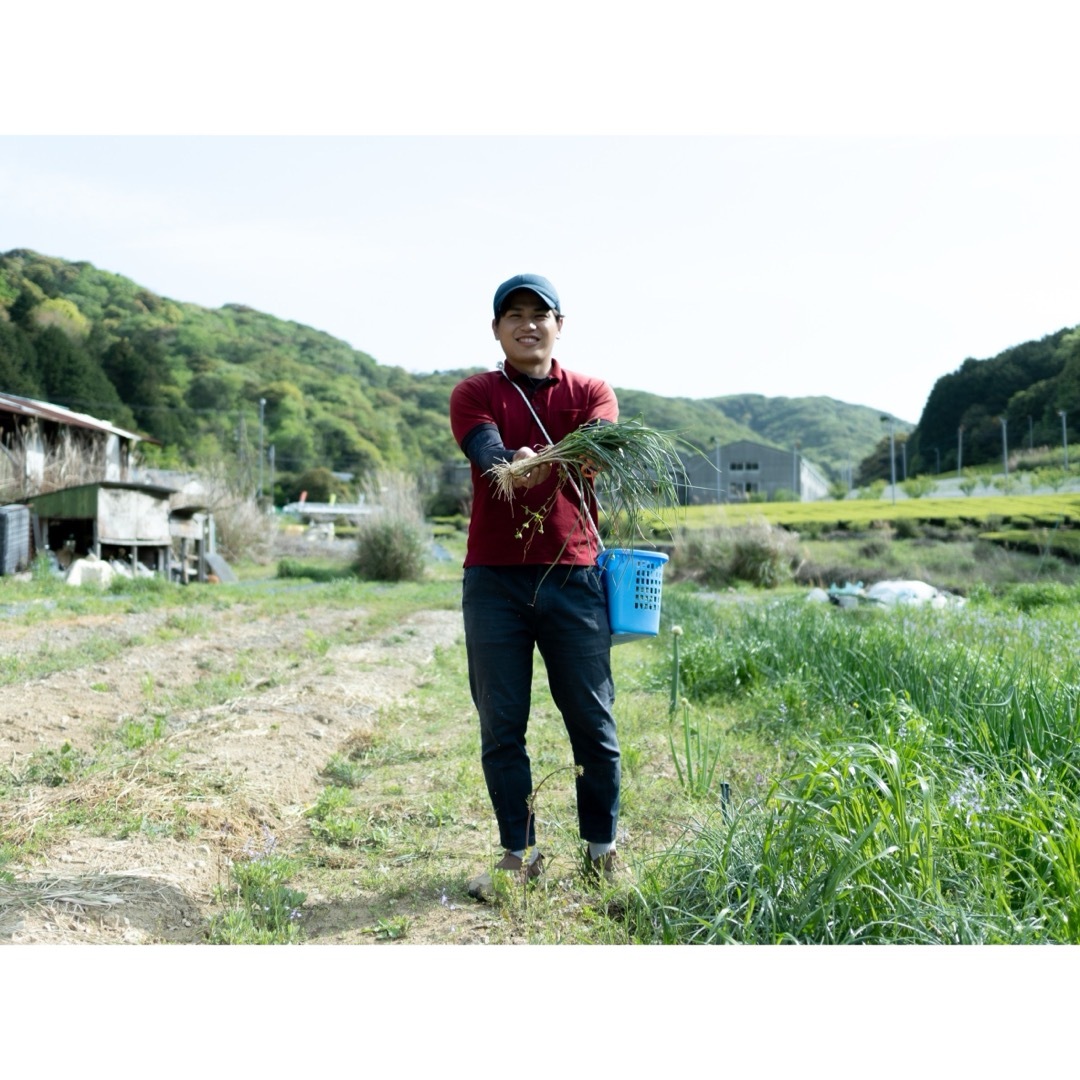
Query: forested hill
x=1027, y=386
x=192, y=378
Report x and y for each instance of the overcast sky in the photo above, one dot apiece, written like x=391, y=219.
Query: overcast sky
x=862, y=268
x=856, y=237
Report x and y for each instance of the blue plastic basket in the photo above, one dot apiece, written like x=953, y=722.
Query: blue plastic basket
x=632, y=580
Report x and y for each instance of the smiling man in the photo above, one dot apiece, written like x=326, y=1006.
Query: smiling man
x=527, y=588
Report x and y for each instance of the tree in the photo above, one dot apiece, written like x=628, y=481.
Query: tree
x=918, y=486
x=320, y=484
x=142, y=378
x=17, y=362
x=64, y=315
x=876, y=465
x=212, y=392
x=71, y=377
x=1052, y=478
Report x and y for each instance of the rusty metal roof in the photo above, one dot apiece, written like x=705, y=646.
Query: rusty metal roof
x=42, y=410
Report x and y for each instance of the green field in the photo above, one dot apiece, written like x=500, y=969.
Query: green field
x=797, y=772
x=924, y=785
x=855, y=514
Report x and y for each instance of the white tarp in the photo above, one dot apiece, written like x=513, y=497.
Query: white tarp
x=890, y=593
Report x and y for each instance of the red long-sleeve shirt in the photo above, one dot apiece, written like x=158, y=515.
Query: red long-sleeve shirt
x=502, y=532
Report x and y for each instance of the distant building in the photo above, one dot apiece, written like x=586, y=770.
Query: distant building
x=740, y=471
x=736, y=472
x=109, y=520
x=83, y=493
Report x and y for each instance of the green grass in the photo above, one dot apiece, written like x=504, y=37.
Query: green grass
x=49, y=659
x=957, y=564
x=894, y=776
x=933, y=793
x=862, y=513
x=260, y=907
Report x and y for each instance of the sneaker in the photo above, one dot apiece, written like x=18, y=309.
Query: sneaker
x=513, y=864
x=482, y=887
x=611, y=878
x=607, y=868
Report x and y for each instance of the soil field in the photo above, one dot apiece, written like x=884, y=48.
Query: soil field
x=238, y=769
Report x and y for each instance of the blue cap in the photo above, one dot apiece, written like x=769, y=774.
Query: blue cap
x=534, y=283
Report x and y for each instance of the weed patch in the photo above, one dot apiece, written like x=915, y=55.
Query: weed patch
x=262, y=909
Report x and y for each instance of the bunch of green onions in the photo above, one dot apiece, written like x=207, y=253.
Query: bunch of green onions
x=639, y=470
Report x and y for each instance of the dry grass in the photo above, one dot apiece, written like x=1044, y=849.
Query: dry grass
x=80, y=892
x=243, y=530
x=76, y=458
x=395, y=495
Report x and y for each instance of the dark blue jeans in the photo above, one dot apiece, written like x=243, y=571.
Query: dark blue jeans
x=508, y=611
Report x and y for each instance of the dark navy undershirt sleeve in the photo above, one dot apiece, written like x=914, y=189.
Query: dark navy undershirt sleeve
x=483, y=446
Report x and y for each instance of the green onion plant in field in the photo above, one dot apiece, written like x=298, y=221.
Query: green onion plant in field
x=934, y=791
x=639, y=473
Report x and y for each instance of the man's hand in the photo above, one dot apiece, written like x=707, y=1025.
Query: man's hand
x=533, y=476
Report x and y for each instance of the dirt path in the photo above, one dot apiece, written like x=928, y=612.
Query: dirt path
x=237, y=771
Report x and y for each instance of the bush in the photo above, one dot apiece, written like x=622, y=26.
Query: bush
x=702, y=555
x=390, y=550
x=391, y=540
x=907, y=528
x=1027, y=597
x=321, y=485
x=764, y=555
x=442, y=504
x=450, y=523
x=759, y=553
x=918, y=486
x=243, y=530
x=295, y=568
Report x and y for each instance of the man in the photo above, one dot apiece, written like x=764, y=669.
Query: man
x=530, y=579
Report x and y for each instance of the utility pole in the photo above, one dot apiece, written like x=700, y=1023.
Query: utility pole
x=959, y=450
x=1005, y=444
x=262, y=413
x=242, y=451
x=1064, y=438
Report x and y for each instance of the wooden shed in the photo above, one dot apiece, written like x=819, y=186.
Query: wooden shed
x=110, y=519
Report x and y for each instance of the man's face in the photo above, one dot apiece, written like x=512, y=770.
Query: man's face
x=527, y=331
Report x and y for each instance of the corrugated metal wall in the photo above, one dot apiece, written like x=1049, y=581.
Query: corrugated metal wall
x=14, y=539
